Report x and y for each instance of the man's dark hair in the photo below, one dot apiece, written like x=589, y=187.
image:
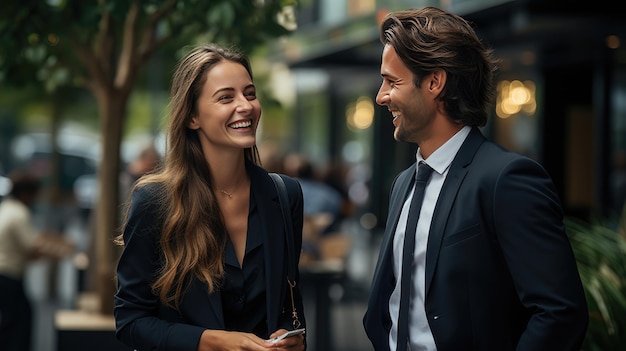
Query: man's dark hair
x=429, y=39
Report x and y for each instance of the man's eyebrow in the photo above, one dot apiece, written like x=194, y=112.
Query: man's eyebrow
x=388, y=76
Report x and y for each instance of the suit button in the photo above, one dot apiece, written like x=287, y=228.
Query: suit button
x=435, y=317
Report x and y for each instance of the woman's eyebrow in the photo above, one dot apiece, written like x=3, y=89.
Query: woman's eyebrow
x=218, y=91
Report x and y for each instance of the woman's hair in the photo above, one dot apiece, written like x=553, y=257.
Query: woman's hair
x=194, y=234
x=429, y=39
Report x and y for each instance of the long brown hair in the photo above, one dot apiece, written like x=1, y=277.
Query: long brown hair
x=194, y=235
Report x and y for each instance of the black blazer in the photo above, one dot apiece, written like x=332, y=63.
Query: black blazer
x=143, y=323
x=500, y=272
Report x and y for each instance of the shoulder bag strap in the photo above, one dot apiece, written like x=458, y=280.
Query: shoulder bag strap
x=284, y=204
x=283, y=198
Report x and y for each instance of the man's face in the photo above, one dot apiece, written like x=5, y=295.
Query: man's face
x=413, y=108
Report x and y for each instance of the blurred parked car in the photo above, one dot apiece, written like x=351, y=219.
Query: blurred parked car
x=78, y=155
x=86, y=185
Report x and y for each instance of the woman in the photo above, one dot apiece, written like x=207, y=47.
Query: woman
x=204, y=264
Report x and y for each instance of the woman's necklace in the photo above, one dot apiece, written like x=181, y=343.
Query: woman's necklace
x=230, y=195
x=236, y=187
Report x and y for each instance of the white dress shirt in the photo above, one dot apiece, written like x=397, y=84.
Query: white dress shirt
x=421, y=338
x=17, y=236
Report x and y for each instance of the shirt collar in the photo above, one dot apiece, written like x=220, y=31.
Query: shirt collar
x=441, y=159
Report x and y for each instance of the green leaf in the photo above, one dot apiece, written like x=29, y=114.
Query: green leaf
x=601, y=258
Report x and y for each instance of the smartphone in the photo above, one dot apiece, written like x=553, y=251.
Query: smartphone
x=287, y=334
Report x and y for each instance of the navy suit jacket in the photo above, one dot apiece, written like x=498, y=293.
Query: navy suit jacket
x=144, y=323
x=500, y=272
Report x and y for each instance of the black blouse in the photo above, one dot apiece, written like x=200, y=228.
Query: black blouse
x=243, y=289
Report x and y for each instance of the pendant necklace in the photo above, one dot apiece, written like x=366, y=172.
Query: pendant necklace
x=230, y=195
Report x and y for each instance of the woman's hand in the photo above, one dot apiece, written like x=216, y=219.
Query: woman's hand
x=292, y=343
x=221, y=340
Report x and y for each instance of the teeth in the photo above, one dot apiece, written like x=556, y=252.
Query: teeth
x=243, y=124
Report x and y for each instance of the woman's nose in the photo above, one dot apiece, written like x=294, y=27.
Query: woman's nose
x=243, y=104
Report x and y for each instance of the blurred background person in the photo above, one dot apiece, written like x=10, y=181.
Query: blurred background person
x=146, y=161
x=323, y=205
x=335, y=176
x=319, y=197
x=21, y=243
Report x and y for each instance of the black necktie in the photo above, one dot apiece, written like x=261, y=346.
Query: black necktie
x=423, y=174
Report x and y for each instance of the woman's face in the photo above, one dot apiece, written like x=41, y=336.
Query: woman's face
x=228, y=109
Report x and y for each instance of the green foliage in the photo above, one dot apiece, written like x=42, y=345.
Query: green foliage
x=48, y=46
x=601, y=256
x=43, y=40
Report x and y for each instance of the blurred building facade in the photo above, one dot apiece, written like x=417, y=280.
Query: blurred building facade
x=561, y=93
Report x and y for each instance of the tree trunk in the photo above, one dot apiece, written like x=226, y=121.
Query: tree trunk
x=55, y=216
x=112, y=110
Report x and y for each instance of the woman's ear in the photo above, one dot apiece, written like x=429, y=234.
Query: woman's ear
x=193, y=123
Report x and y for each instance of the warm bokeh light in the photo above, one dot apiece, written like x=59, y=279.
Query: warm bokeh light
x=515, y=97
x=360, y=115
x=53, y=39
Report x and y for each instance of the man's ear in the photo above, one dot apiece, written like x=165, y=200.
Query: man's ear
x=437, y=81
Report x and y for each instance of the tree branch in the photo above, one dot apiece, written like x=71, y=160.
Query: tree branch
x=103, y=46
x=90, y=61
x=126, y=65
x=149, y=40
x=131, y=59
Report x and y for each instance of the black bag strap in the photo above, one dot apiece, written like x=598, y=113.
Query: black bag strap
x=283, y=198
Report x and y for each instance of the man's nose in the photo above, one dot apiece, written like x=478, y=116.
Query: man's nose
x=382, y=98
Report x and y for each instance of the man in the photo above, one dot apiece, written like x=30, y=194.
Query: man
x=492, y=268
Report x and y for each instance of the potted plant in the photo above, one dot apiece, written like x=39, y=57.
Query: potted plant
x=601, y=257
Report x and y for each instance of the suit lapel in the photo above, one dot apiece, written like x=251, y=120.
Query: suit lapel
x=273, y=241
x=196, y=299
x=447, y=196
x=273, y=248
x=400, y=191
